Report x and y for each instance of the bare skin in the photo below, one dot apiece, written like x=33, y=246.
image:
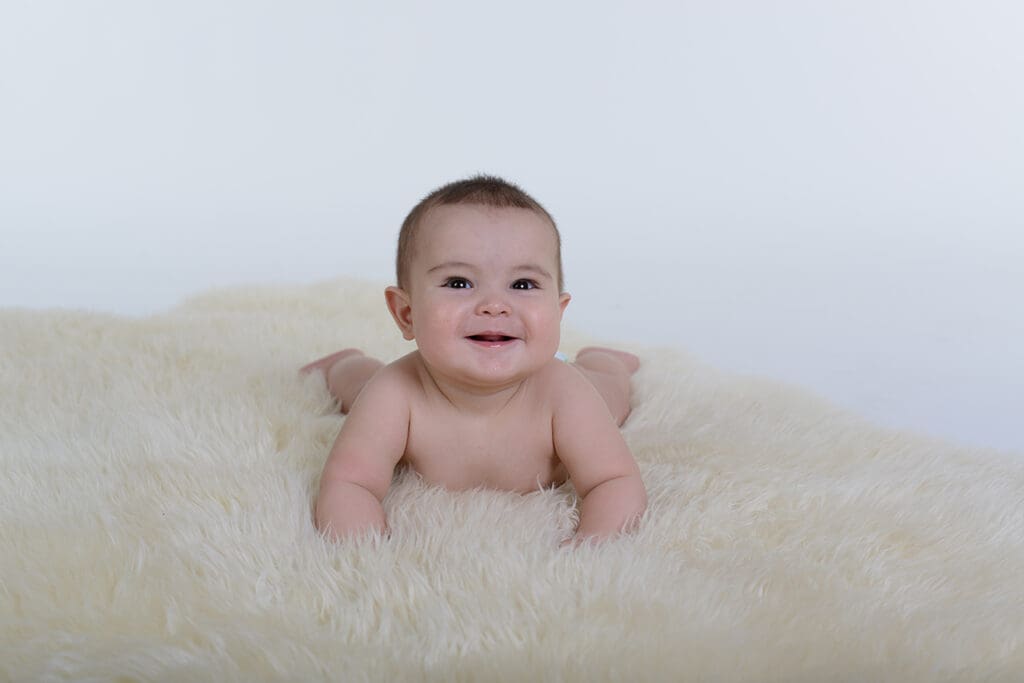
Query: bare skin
x=513, y=448
x=481, y=402
x=347, y=372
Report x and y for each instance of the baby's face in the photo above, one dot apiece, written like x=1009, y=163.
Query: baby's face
x=483, y=302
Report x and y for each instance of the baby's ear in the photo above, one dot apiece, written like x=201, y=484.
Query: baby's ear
x=563, y=300
x=400, y=306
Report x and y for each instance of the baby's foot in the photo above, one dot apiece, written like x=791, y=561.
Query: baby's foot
x=326, y=362
x=346, y=373
x=630, y=361
x=609, y=370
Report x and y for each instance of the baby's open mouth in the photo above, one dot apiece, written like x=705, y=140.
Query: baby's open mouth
x=491, y=338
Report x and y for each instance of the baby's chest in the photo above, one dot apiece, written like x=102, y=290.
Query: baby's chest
x=461, y=454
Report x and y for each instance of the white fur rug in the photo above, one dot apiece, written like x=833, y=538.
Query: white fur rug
x=156, y=480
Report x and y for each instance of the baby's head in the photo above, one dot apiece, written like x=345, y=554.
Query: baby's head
x=480, y=282
x=480, y=190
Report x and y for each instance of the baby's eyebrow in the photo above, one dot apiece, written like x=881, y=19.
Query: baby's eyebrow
x=462, y=265
x=452, y=265
x=531, y=268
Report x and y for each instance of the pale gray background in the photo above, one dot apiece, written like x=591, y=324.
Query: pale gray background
x=827, y=193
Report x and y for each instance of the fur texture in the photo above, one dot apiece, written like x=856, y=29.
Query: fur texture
x=157, y=477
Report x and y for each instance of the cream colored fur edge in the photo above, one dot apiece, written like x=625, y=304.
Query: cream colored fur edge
x=156, y=477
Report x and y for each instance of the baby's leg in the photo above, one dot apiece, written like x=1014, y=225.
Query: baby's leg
x=609, y=371
x=346, y=372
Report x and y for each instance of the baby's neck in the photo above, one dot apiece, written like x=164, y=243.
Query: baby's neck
x=483, y=400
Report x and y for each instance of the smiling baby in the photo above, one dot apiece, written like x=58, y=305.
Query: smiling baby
x=483, y=400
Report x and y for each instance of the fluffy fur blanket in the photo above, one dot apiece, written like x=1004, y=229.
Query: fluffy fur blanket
x=157, y=476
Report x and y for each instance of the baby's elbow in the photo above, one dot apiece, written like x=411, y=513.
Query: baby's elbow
x=639, y=491
x=632, y=499
x=323, y=523
x=642, y=506
x=639, y=505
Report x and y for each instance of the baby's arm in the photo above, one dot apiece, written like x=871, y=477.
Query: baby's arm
x=358, y=470
x=599, y=462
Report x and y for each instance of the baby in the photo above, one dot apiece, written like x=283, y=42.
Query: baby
x=483, y=401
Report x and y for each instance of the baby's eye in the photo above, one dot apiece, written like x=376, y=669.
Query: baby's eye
x=525, y=284
x=458, y=283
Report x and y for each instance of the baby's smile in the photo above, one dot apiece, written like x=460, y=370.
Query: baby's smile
x=493, y=340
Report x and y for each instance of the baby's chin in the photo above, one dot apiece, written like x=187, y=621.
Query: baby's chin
x=495, y=375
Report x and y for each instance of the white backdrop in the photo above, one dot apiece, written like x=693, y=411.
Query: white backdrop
x=825, y=193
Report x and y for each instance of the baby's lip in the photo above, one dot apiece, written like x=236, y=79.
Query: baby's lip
x=491, y=337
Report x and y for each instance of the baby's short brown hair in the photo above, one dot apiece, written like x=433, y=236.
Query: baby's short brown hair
x=483, y=190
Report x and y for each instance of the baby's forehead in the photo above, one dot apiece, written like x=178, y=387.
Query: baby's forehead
x=449, y=233
x=469, y=215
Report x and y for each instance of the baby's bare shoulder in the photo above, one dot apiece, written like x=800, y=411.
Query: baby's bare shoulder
x=391, y=387
x=560, y=382
x=398, y=376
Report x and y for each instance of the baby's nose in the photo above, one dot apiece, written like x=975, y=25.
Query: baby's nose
x=493, y=306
